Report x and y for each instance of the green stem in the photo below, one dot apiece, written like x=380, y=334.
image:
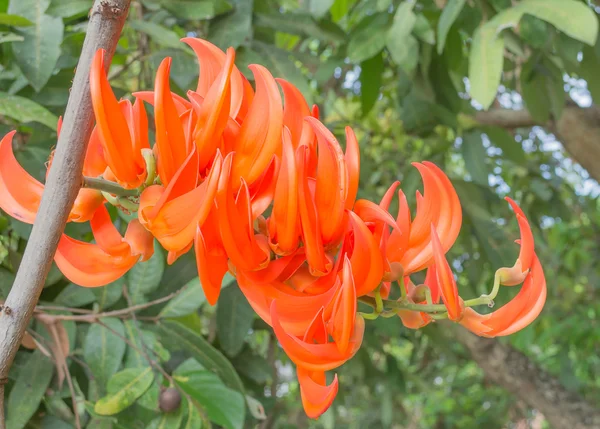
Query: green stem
x=107, y=186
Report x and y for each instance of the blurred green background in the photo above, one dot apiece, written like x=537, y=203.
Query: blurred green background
x=412, y=78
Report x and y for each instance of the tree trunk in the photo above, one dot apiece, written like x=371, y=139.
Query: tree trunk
x=511, y=369
x=578, y=129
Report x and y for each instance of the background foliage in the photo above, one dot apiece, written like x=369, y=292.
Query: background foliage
x=410, y=76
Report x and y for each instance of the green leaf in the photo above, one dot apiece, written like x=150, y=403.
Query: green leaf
x=449, y=14
x=340, y=8
x=280, y=65
x=234, y=28
x=369, y=39
x=256, y=408
x=589, y=69
x=69, y=8
x=123, y=389
x=108, y=295
x=175, y=336
x=403, y=47
x=223, y=406
x=194, y=420
x=10, y=37
x=32, y=381
x=14, y=20
x=542, y=89
x=188, y=301
x=475, y=157
x=143, y=340
x=38, y=53
x=145, y=277
x=423, y=30
x=234, y=320
x=158, y=33
x=168, y=420
x=485, y=64
x=371, y=77
x=75, y=296
x=103, y=349
x=23, y=110
x=572, y=17
x=299, y=24
x=255, y=367
x=195, y=10
x=318, y=8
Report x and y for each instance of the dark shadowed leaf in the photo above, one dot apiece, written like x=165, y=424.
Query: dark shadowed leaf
x=103, y=349
x=449, y=15
x=145, y=277
x=196, y=9
x=29, y=389
x=234, y=320
x=175, y=336
x=371, y=76
x=475, y=157
x=369, y=39
x=234, y=28
x=75, y=296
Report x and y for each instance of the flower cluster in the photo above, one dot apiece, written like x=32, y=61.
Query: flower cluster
x=260, y=188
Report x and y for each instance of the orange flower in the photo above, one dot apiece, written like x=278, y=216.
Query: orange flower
x=93, y=265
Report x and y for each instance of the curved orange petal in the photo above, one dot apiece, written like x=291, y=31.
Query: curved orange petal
x=213, y=113
x=309, y=220
x=352, y=157
x=343, y=315
x=516, y=274
x=316, y=357
x=20, y=193
x=170, y=138
x=445, y=279
x=181, y=104
x=260, y=135
x=94, y=163
x=211, y=260
x=211, y=61
x=284, y=222
x=317, y=397
x=294, y=111
x=366, y=261
x=263, y=191
x=113, y=129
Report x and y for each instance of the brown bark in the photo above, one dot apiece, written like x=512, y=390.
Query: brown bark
x=578, y=129
x=511, y=369
x=63, y=183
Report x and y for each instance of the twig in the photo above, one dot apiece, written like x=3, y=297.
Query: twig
x=94, y=317
x=107, y=186
x=103, y=31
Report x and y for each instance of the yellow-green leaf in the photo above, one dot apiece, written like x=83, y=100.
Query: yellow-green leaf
x=123, y=389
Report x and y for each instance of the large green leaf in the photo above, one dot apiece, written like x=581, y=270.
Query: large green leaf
x=188, y=301
x=170, y=420
x=475, y=157
x=108, y=295
x=145, y=277
x=299, y=24
x=75, y=296
x=193, y=420
x=38, y=53
x=24, y=110
x=158, y=33
x=103, y=349
x=340, y=8
x=69, y=8
x=14, y=20
x=234, y=320
x=485, y=64
x=449, y=15
x=369, y=39
x=29, y=389
x=234, y=28
x=176, y=336
x=371, y=77
x=317, y=8
x=123, y=389
x=572, y=17
x=223, y=405
x=196, y=9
